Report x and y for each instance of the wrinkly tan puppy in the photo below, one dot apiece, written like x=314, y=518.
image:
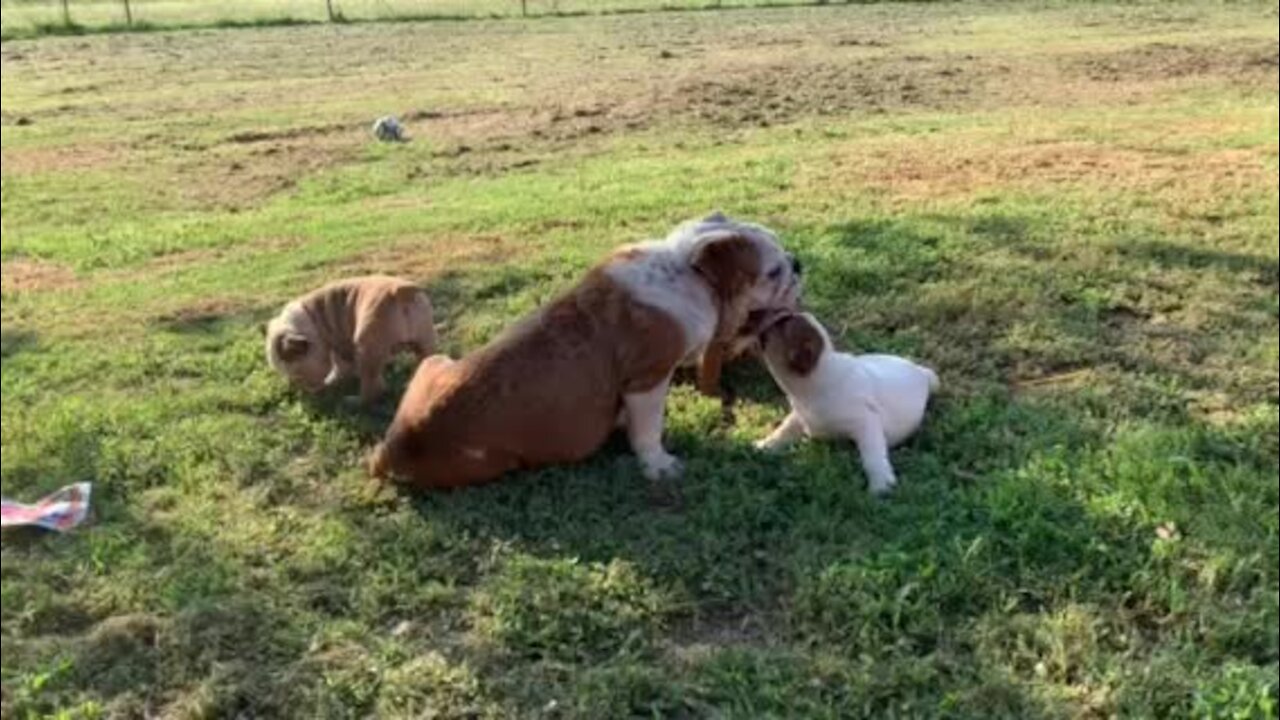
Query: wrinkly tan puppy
x=350, y=327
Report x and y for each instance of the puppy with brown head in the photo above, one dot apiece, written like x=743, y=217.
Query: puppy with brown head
x=350, y=327
x=552, y=387
x=875, y=400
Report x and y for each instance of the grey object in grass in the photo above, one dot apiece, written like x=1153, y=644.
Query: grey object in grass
x=389, y=129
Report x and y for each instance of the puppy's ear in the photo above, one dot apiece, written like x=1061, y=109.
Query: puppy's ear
x=803, y=344
x=716, y=217
x=730, y=265
x=291, y=346
x=762, y=321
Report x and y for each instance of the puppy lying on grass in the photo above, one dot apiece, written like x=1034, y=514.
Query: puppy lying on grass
x=350, y=327
x=875, y=400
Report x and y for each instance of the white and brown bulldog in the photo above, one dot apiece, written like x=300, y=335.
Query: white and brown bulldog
x=552, y=387
x=350, y=327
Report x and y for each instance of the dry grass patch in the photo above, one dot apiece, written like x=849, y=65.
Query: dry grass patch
x=954, y=168
x=33, y=275
x=428, y=258
x=61, y=158
x=1236, y=61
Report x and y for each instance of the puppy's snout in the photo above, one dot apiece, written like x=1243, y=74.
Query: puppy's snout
x=796, y=266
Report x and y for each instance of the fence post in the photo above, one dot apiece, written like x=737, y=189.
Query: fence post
x=524, y=8
x=128, y=14
x=328, y=6
x=66, y=14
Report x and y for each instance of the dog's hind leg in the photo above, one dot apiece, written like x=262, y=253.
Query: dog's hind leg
x=874, y=449
x=370, y=362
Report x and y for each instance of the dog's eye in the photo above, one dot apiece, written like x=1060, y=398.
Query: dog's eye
x=775, y=273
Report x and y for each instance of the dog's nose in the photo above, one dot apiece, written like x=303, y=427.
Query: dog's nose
x=796, y=267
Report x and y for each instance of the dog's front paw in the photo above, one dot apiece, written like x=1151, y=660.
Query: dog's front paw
x=661, y=466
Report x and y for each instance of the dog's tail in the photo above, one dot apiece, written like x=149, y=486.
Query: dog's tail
x=934, y=382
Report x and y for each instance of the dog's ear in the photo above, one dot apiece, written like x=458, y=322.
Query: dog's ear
x=291, y=346
x=803, y=343
x=729, y=264
x=709, y=368
x=717, y=217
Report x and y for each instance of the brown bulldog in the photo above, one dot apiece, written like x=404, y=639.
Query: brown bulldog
x=554, y=386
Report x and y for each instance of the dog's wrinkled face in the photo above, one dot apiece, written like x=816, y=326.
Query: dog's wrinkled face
x=745, y=264
x=795, y=341
x=294, y=352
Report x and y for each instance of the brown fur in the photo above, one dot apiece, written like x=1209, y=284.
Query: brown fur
x=548, y=390
x=729, y=266
x=746, y=342
x=800, y=343
x=358, y=323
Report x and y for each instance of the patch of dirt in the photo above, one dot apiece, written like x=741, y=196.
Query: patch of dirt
x=744, y=93
x=32, y=275
x=257, y=136
x=734, y=96
x=59, y=158
x=1158, y=61
x=246, y=174
x=784, y=92
x=927, y=171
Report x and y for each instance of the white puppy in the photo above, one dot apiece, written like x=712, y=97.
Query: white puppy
x=875, y=400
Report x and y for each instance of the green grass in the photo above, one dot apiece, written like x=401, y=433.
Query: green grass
x=1070, y=211
x=39, y=18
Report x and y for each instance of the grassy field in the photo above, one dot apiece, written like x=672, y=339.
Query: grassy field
x=1070, y=211
x=21, y=18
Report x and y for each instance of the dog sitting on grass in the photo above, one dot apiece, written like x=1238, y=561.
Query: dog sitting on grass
x=350, y=327
x=875, y=400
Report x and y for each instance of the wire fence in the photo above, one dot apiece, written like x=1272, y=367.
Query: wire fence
x=35, y=17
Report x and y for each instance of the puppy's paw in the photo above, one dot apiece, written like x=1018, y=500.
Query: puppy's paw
x=881, y=488
x=766, y=446
x=661, y=466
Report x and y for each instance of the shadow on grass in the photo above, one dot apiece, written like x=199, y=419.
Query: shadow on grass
x=788, y=590
x=212, y=643
x=13, y=342
x=987, y=521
